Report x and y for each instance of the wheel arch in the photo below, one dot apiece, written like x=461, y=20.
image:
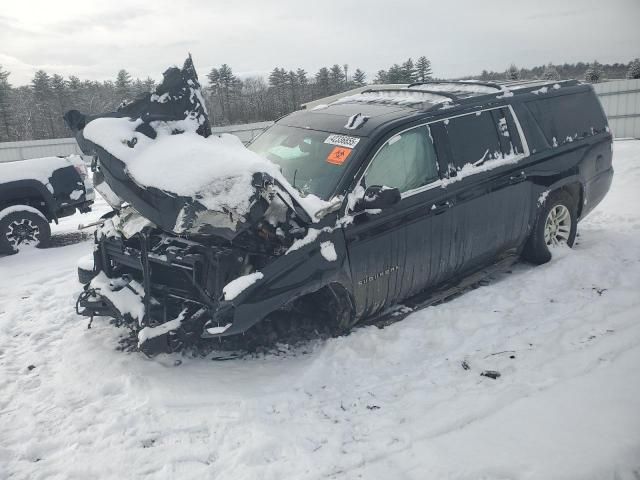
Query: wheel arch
x=31, y=193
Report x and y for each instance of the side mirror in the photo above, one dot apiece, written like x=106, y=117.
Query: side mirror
x=380, y=197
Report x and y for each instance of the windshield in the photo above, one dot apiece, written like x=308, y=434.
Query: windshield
x=310, y=160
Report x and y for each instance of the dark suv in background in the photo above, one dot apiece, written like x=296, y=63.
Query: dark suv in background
x=37, y=191
x=428, y=186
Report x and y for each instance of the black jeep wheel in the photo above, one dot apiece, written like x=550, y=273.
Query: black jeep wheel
x=556, y=225
x=23, y=226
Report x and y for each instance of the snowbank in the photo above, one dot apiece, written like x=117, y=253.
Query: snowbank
x=377, y=404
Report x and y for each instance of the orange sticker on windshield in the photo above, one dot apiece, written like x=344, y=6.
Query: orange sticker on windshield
x=338, y=155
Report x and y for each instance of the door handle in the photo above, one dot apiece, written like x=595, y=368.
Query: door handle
x=438, y=208
x=517, y=178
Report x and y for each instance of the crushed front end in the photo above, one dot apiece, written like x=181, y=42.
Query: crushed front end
x=166, y=289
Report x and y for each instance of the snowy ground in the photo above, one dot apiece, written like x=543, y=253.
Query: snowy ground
x=390, y=404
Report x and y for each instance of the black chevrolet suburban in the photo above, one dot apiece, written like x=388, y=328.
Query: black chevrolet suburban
x=37, y=191
x=426, y=187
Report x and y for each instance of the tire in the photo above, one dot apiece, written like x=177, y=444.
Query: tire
x=556, y=224
x=22, y=225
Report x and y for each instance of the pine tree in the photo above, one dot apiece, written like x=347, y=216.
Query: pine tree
x=5, y=106
x=382, y=77
x=593, y=73
x=409, y=74
x=550, y=73
x=41, y=86
x=60, y=102
x=149, y=84
x=423, y=69
x=302, y=77
x=359, y=78
x=322, y=82
x=634, y=69
x=292, y=83
x=123, y=85
x=224, y=86
x=395, y=74
x=512, y=72
x=278, y=80
x=336, y=79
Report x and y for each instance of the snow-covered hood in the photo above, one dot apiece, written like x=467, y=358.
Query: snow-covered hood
x=158, y=155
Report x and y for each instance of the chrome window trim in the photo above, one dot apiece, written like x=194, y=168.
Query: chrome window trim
x=439, y=182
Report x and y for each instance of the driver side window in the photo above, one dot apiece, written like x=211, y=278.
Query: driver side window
x=406, y=162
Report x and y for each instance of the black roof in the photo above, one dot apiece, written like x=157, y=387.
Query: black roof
x=382, y=105
x=334, y=117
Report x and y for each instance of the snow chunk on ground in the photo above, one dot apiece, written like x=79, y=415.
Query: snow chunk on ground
x=235, y=287
x=328, y=251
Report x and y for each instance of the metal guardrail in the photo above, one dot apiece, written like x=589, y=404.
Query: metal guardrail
x=12, y=151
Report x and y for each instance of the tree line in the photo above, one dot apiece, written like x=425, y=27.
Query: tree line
x=34, y=111
x=593, y=72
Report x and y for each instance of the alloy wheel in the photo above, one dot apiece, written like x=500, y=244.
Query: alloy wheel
x=557, y=226
x=23, y=232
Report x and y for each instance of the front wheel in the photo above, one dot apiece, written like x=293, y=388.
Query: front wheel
x=22, y=226
x=556, y=225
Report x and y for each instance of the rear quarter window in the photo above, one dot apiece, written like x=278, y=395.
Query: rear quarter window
x=566, y=118
x=473, y=138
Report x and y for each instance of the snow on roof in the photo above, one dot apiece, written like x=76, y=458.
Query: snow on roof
x=407, y=97
x=456, y=87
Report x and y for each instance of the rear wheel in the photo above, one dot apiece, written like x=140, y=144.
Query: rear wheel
x=556, y=225
x=22, y=226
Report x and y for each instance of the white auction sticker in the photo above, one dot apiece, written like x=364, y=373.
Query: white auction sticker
x=342, y=140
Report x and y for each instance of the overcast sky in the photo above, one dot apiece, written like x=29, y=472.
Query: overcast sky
x=93, y=40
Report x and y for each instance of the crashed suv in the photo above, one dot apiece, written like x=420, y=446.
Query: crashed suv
x=369, y=207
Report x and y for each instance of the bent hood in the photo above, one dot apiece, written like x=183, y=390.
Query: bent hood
x=158, y=155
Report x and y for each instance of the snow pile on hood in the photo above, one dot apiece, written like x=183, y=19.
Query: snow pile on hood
x=216, y=170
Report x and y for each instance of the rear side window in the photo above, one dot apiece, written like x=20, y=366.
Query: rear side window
x=473, y=139
x=569, y=117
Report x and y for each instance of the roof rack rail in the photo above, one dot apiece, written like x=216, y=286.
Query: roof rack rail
x=448, y=95
x=462, y=82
